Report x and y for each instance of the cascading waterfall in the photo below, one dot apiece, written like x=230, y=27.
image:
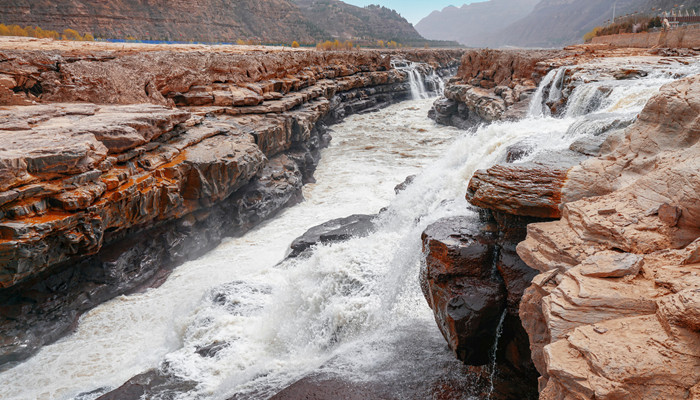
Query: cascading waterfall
x=494, y=351
x=417, y=84
x=537, y=106
x=351, y=311
x=423, y=84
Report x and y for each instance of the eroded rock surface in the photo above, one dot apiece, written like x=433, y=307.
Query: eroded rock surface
x=117, y=165
x=492, y=85
x=613, y=313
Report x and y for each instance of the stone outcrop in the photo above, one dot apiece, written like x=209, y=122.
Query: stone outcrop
x=613, y=313
x=490, y=83
x=118, y=165
x=335, y=230
x=473, y=281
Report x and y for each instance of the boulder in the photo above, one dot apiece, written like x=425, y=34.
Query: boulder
x=336, y=230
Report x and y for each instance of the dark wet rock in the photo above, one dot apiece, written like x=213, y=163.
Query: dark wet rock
x=461, y=286
x=403, y=185
x=336, y=230
x=470, y=316
x=148, y=385
x=517, y=152
x=472, y=278
x=327, y=389
x=211, y=350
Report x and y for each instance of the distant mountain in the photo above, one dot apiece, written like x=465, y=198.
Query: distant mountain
x=555, y=23
x=474, y=24
x=269, y=21
x=336, y=19
x=531, y=23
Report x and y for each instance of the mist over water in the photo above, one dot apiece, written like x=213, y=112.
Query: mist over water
x=354, y=309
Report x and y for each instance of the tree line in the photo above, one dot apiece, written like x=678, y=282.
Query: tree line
x=36, y=32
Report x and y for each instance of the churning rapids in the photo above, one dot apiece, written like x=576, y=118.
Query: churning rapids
x=351, y=310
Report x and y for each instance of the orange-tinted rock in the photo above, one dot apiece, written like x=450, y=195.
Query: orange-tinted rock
x=529, y=189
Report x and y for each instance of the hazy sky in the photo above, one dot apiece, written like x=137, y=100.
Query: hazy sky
x=413, y=10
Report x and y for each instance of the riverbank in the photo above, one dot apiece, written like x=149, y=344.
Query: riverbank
x=126, y=162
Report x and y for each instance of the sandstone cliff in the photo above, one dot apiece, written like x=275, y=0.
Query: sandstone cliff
x=612, y=309
x=614, y=313
x=120, y=164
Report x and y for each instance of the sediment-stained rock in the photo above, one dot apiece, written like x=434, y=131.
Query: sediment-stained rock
x=528, y=189
x=128, y=163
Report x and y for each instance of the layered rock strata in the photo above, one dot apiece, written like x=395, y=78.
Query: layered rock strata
x=493, y=85
x=614, y=312
x=489, y=83
x=129, y=163
x=592, y=264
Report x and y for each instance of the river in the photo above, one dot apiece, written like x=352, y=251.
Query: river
x=352, y=310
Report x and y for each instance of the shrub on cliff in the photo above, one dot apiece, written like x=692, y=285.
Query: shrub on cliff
x=37, y=32
x=590, y=35
x=71, y=34
x=295, y=44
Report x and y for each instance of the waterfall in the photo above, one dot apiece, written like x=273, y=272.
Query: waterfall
x=418, y=79
x=417, y=84
x=351, y=310
x=537, y=108
x=494, y=350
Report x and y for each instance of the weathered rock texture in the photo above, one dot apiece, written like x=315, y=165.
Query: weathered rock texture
x=130, y=163
x=614, y=312
x=490, y=82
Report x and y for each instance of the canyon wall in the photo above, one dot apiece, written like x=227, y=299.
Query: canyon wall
x=120, y=164
x=214, y=21
x=584, y=268
x=614, y=311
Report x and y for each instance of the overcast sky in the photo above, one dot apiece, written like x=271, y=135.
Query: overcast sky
x=413, y=10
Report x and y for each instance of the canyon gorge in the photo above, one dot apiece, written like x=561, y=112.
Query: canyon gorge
x=191, y=221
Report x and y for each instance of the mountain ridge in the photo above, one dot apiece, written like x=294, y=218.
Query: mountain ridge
x=267, y=21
